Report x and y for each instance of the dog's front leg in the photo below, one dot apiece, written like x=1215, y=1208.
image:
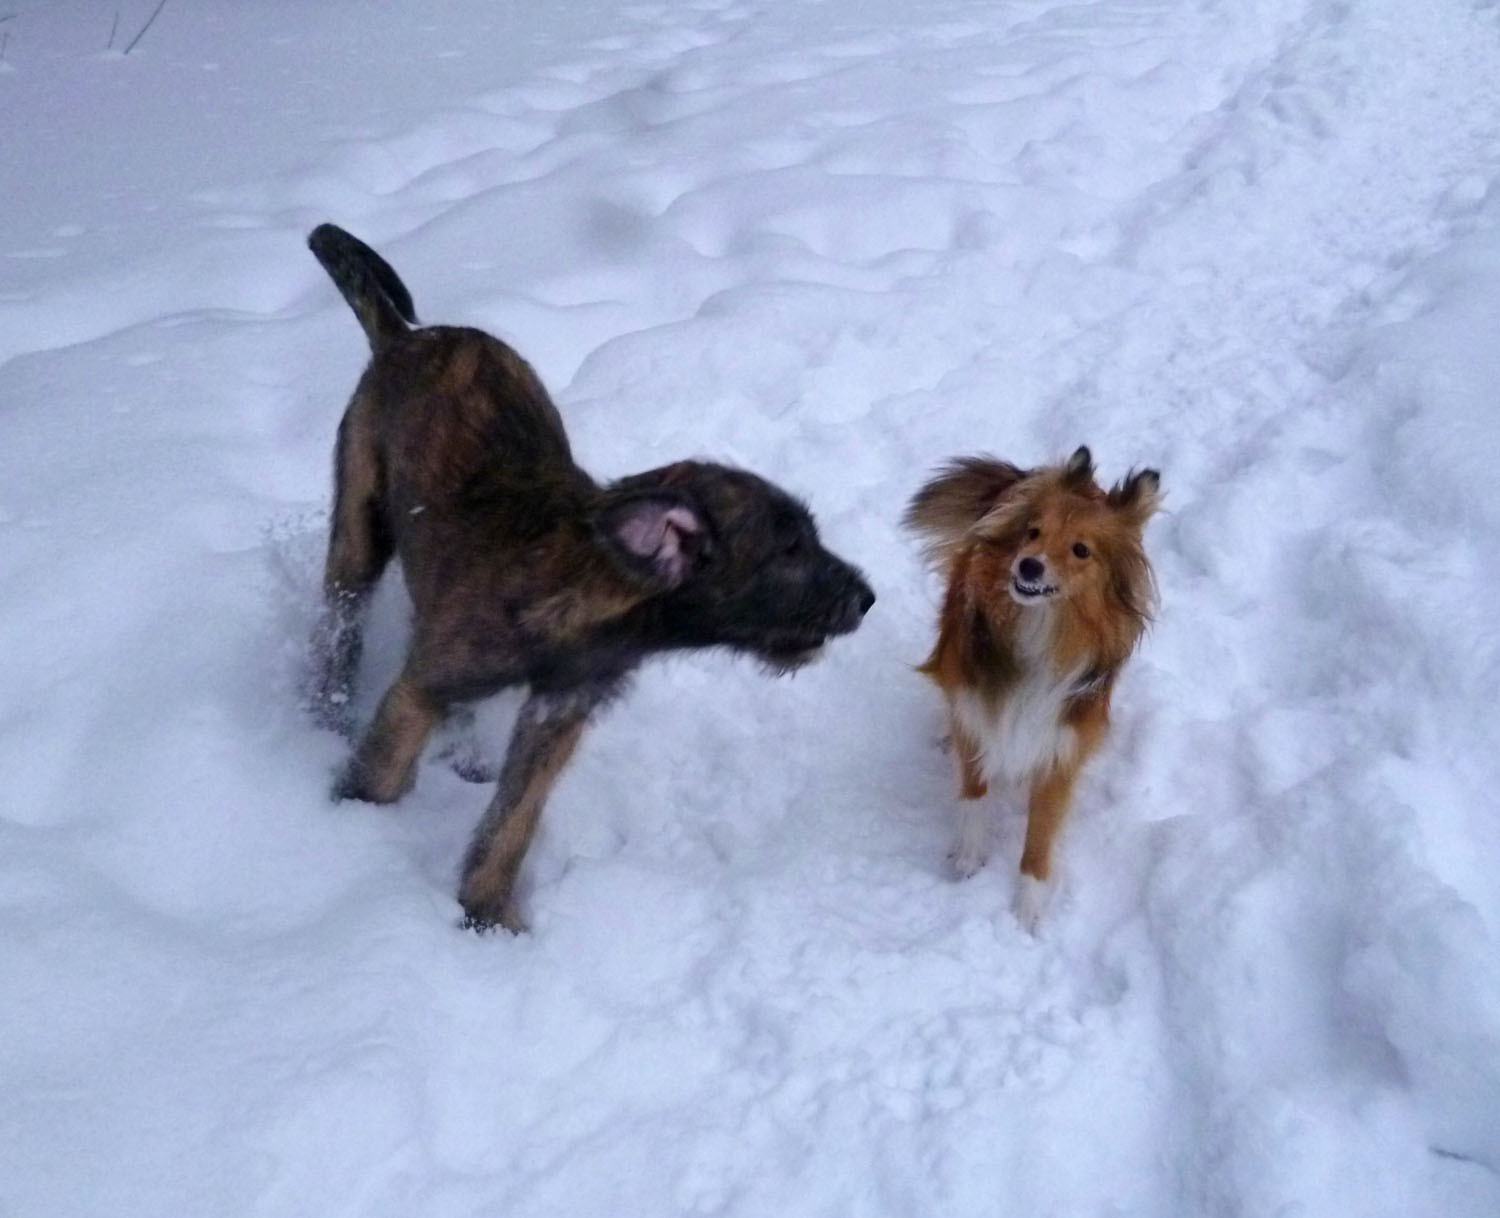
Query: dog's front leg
x=545, y=736
x=1048, y=805
x=384, y=763
x=971, y=847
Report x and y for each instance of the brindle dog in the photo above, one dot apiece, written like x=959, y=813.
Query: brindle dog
x=523, y=570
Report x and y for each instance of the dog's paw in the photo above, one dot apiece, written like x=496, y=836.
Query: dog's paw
x=482, y=919
x=473, y=769
x=338, y=719
x=964, y=862
x=459, y=747
x=971, y=844
x=349, y=785
x=327, y=702
x=369, y=784
x=332, y=711
x=1030, y=901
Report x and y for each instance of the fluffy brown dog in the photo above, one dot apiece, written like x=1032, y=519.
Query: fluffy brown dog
x=525, y=571
x=1048, y=593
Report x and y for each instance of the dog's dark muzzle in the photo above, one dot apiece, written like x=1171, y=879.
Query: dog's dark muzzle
x=853, y=601
x=833, y=602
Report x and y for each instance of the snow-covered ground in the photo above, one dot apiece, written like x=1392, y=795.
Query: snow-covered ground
x=1255, y=243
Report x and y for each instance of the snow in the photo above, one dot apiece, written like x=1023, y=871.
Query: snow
x=1254, y=245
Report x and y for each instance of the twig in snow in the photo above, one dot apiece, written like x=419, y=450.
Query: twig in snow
x=110, y=45
x=1444, y=1153
x=155, y=13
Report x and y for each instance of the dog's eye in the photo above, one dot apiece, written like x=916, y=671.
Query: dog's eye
x=1033, y=533
x=794, y=547
x=1081, y=550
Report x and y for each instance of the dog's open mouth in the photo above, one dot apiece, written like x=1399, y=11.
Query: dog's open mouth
x=1029, y=594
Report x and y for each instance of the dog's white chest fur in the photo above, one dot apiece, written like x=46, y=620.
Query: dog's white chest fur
x=1024, y=733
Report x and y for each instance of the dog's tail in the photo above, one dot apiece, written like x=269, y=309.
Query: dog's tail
x=372, y=288
x=961, y=494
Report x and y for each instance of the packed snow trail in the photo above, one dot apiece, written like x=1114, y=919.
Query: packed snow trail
x=1256, y=246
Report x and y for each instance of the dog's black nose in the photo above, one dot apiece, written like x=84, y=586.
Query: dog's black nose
x=1030, y=569
x=854, y=601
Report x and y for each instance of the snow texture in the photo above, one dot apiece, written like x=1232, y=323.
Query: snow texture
x=1254, y=243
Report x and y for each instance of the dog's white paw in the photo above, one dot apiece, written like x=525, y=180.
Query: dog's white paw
x=964, y=861
x=1030, y=901
x=971, y=844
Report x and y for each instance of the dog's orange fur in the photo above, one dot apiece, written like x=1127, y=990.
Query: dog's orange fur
x=1028, y=697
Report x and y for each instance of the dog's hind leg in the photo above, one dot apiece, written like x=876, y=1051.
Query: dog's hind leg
x=359, y=547
x=546, y=733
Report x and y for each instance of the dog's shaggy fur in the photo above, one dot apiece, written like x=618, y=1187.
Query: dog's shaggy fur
x=1048, y=593
x=525, y=571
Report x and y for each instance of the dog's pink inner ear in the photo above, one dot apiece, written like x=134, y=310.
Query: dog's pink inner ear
x=661, y=533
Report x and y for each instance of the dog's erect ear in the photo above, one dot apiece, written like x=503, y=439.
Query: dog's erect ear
x=658, y=537
x=1138, y=496
x=1080, y=467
